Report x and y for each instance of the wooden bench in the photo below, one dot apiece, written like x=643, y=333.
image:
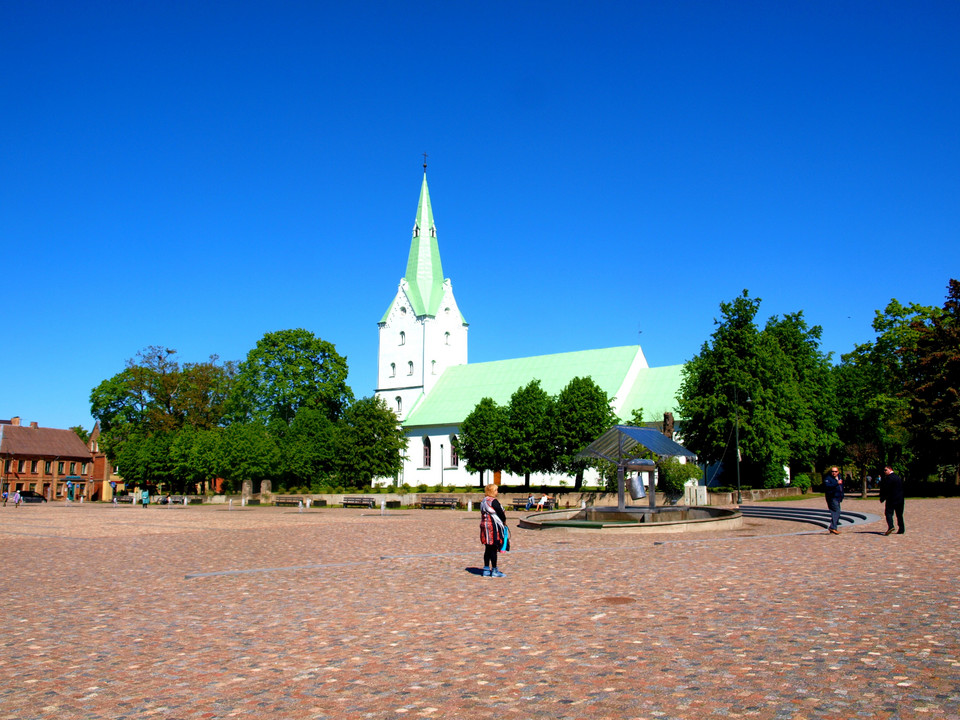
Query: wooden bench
x=520, y=503
x=437, y=501
x=359, y=502
x=124, y=498
x=287, y=500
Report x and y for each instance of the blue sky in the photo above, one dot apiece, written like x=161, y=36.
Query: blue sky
x=194, y=175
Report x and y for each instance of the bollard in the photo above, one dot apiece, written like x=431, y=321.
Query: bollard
x=230, y=504
x=469, y=505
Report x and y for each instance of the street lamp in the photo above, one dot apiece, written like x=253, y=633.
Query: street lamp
x=736, y=403
x=737, y=435
x=441, y=464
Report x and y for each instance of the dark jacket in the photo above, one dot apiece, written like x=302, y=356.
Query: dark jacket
x=891, y=487
x=832, y=488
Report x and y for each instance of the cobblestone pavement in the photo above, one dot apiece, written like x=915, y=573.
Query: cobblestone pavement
x=205, y=612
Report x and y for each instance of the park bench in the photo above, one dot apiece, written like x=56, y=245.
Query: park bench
x=438, y=501
x=520, y=503
x=359, y=502
x=287, y=500
x=124, y=498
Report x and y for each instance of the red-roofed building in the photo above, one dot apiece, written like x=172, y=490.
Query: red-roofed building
x=43, y=459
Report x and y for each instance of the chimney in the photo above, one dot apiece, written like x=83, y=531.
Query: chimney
x=15, y=421
x=34, y=425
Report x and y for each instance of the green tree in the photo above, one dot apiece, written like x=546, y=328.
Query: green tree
x=249, y=452
x=807, y=389
x=720, y=386
x=580, y=414
x=81, y=433
x=481, y=441
x=767, y=393
x=286, y=371
x=932, y=386
x=370, y=442
x=308, y=448
x=155, y=396
x=528, y=432
x=872, y=406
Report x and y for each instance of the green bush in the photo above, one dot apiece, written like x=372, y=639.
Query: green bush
x=803, y=483
x=674, y=475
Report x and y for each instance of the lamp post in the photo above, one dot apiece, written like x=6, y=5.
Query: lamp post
x=736, y=402
x=737, y=434
x=441, y=464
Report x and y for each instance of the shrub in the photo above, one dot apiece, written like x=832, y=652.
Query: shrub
x=674, y=475
x=803, y=483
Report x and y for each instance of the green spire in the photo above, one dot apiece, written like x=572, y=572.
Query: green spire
x=424, y=274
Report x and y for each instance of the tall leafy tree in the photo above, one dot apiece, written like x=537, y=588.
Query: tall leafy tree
x=369, y=442
x=153, y=398
x=932, y=386
x=481, y=441
x=807, y=386
x=580, y=414
x=289, y=370
x=308, y=447
x=528, y=432
x=721, y=385
x=872, y=407
x=766, y=393
x=249, y=452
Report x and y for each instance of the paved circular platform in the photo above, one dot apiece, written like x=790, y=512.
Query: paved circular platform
x=205, y=612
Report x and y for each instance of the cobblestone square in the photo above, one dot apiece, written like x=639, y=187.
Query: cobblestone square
x=208, y=612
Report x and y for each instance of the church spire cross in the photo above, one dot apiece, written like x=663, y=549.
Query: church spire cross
x=424, y=162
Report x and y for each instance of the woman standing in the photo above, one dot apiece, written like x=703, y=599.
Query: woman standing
x=493, y=531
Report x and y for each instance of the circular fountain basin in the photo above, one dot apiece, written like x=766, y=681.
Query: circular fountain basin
x=673, y=519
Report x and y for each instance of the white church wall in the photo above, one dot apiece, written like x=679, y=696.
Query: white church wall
x=454, y=474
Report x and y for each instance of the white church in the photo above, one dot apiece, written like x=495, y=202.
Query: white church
x=423, y=374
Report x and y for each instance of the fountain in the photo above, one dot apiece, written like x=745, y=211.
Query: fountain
x=618, y=445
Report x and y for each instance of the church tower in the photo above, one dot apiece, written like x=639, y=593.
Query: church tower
x=422, y=333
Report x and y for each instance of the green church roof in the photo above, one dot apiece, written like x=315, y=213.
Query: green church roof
x=424, y=274
x=461, y=387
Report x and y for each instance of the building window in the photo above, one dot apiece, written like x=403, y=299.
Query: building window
x=73, y=468
x=403, y=338
x=454, y=456
x=20, y=464
x=83, y=468
x=410, y=368
x=60, y=468
x=6, y=466
x=426, y=452
x=399, y=404
x=446, y=338
x=33, y=466
x=47, y=467
x=393, y=369
x=433, y=367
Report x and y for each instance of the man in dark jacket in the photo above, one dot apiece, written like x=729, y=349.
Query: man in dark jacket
x=891, y=492
x=833, y=492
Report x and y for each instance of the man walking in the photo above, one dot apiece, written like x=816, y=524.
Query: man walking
x=891, y=492
x=833, y=492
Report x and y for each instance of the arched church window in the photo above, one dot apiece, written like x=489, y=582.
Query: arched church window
x=393, y=369
x=433, y=367
x=426, y=451
x=410, y=368
x=446, y=338
x=399, y=401
x=403, y=338
x=403, y=310
x=454, y=455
